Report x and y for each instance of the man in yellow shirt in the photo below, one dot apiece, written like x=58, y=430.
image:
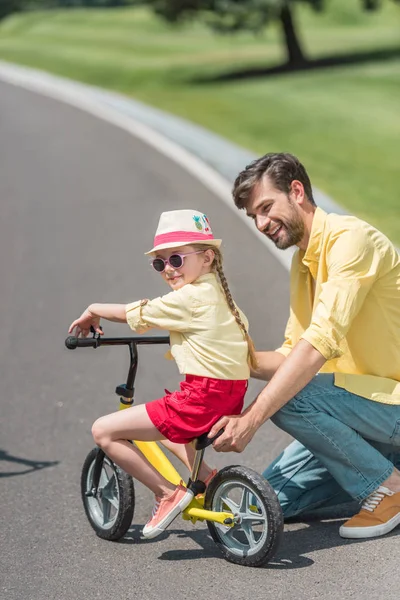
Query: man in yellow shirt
x=334, y=384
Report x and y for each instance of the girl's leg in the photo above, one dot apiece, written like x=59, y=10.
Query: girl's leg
x=186, y=454
x=111, y=433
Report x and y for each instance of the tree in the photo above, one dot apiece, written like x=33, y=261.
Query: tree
x=8, y=6
x=253, y=15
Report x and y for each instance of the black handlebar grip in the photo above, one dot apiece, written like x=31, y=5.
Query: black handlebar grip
x=73, y=342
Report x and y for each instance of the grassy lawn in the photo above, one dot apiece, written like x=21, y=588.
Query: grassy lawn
x=344, y=123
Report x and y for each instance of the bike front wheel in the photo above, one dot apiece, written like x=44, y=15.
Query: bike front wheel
x=110, y=510
x=257, y=528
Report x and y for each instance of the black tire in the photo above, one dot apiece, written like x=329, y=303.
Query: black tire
x=110, y=513
x=245, y=492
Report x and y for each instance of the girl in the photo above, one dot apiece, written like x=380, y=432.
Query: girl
x=210, y=344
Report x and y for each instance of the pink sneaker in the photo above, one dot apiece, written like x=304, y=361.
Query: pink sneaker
x=166, y=509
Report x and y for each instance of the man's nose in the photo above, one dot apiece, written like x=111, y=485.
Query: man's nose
x=262, y=222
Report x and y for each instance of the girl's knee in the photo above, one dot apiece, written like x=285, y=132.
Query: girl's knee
x=100, y=432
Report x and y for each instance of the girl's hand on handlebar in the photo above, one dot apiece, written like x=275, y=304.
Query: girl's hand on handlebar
x=83, y=324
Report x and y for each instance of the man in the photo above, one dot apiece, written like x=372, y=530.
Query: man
x=334, y=385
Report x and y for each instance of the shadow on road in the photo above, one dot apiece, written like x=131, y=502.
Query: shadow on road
x=33, y=465
x=316, y=534
x=308, y=65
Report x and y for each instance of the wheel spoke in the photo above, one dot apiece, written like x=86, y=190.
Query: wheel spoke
x=109, y=496
x=110, y=488
x=247, y=530
x=244, y=501
x=106, y=510
x=114, y=502
x=253, y=517
x=103, y=477
x=248, y=536
x=110, y=510
x=233, y=507
x=246, y=512
x=230, y=534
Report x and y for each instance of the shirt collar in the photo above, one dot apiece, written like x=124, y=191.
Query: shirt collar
x=310, y=257
x=206, y=277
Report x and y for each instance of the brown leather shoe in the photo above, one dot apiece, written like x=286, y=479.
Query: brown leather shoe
x=379, y=514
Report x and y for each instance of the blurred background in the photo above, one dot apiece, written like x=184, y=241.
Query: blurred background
x=80, y=201
x=319, y=78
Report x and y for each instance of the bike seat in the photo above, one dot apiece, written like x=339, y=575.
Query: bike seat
x=203, y=440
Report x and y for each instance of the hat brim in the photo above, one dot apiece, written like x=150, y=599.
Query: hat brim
x=215, y=243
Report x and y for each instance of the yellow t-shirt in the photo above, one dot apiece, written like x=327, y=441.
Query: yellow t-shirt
x=353, y=315
x=205, y=337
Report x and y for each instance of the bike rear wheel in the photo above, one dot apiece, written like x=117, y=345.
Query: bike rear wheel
x=258, y=521
x=110, y=510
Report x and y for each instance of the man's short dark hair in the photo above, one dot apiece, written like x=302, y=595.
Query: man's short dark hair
x=282, y=168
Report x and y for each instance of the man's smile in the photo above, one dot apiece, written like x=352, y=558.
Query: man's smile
x=273, y=230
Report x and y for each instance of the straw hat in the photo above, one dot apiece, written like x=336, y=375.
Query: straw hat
x=182, y=228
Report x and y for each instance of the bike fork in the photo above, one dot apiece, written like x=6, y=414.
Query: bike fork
x=98, y=465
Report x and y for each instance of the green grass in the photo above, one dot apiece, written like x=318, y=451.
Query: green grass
x=343, y=123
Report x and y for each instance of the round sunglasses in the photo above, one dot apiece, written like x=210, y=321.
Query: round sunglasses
x=175, y=261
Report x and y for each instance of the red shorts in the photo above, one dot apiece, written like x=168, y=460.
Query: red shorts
x=183, y=415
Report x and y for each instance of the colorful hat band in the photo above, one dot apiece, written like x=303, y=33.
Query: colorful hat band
x=181, y=236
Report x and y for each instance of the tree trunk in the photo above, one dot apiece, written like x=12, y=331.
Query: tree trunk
x=295, y=54
x=371, y=4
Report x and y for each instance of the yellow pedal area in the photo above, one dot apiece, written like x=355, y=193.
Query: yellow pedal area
x=196, y=512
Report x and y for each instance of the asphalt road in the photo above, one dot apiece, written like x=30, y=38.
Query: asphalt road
x=80, y=200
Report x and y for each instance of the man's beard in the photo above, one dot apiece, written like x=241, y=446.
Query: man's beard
x=293, y=230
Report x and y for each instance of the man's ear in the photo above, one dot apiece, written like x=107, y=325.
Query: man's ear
x=297, y=190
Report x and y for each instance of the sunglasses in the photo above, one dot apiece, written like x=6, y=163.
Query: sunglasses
x=175, y=261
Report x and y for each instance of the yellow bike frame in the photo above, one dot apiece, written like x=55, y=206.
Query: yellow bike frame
x=195, y=511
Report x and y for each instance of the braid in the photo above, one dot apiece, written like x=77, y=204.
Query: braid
x=233, y=308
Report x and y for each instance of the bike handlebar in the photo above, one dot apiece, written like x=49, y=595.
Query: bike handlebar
x=73, y=342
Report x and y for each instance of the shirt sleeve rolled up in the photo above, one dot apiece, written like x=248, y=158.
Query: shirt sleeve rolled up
x=353, y=264
x=172, y=312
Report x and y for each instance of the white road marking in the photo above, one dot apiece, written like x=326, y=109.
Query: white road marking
x=83, y=97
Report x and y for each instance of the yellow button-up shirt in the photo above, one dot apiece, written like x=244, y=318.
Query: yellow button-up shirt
x=345, y=301
x=205, y=337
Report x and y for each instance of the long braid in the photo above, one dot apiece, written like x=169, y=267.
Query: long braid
x=232, y=306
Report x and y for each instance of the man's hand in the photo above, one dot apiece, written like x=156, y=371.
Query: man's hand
x=238, y=433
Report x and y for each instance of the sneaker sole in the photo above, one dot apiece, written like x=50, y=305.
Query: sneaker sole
x=162, y=526
x=368, y=532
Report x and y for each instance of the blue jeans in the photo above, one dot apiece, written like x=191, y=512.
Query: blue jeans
x=345, y=447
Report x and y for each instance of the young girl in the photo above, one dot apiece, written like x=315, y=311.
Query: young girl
x=210, y=344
